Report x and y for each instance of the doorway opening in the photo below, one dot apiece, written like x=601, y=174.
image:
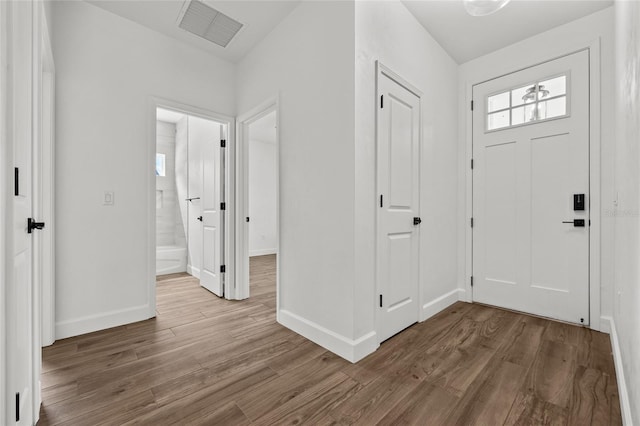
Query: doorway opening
x=190, y=201
x=258, y=204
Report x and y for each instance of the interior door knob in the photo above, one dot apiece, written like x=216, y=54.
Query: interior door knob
x=417, y=221
x=199, y=218
x=32, y=224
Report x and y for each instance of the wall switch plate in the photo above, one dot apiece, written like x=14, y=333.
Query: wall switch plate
x=108, y=198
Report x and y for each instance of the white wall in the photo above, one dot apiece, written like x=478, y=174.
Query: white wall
x=308, y=60
x=107, y=70
x=548, y=45
x=626, y=311
x=388, y=32
x=262, y=188
x=169, y=227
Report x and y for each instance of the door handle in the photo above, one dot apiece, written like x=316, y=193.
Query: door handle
x=417, y=221
x=578, y=223
x=199, y=218
x=32, y=224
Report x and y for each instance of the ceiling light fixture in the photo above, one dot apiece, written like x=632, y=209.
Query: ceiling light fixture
x=484, y=7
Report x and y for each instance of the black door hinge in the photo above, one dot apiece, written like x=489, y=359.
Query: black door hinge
x=223, y=206
x=17, y=407
x=472, y=222
x=223, y=269
x=471, y=105
x=381, y=203
x=472, y=164
x=471, y=280
x=381, y=101
x=381, y=301
x=16, y=184
x=223, y=143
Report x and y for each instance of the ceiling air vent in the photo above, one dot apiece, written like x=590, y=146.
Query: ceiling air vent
x=208, y=23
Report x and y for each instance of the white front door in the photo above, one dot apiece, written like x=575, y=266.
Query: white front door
x=22, y=373
x=212, y=215
x=531, y=190
x=398, y=150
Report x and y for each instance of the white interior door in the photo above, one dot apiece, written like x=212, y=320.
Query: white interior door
x=22, y=374
x=531, y=155
x=212, y=216
x=398, y=183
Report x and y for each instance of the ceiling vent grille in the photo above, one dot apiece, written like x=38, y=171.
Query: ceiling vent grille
x=208, y=23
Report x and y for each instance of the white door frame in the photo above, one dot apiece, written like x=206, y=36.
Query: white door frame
x=229, y=122
x=5, y=180
x=593, y=48
x=47, y=184
x=242, y=195
x=382, y=69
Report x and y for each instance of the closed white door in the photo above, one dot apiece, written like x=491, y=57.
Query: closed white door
x=20, y=394
x=212, y=216
x=531, y=190
x=398, y=183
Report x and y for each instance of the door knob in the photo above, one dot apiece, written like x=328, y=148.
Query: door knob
x=199, y=218
x=32, y=224
x=417, y=221
x=578, y=223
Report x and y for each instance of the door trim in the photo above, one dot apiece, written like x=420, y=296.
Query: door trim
x=242, y=196
x=383, y=70
x=154, y=103
x=593, y=48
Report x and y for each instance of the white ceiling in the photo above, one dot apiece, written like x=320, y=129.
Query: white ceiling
x=258, y=16
x=466, y=37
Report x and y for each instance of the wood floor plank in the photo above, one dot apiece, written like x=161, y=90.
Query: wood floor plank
x=207, y=361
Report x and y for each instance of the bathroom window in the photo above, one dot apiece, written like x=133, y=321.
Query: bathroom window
x=160, y=165
x=533, y=102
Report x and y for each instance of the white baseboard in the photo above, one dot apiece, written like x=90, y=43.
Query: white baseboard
x=262, y=252
x=194, y=272
x=431, y=308
x=605, y=324
x=349, y=349
x=625, y=406
x=101, y=321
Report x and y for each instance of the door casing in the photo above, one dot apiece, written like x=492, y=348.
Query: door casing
x=155, y=103
x=593, y=48
x=242, y=196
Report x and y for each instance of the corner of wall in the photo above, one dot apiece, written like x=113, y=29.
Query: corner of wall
x=353, y=350
x=625, y=404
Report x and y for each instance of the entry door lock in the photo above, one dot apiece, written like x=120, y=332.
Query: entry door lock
x=32, y=224
x=417, y=221
x=578, y=202
x=578, y=223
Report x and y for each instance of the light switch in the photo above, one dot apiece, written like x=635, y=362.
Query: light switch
x=108, y=198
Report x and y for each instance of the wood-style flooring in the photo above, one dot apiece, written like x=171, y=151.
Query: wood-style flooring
x=205, y=360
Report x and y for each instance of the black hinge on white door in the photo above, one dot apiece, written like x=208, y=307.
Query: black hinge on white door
x=471, y=105
x=223, y=143
x=472, y=222
x=471, y=280
x=223, y=206
x=381, y=101
x=16, y=183
x=472, y=164
x=381, y=203
x=381, y=301
x=223, y=269
x=17, y=407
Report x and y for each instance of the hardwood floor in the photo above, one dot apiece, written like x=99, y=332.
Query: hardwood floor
x=205, y=360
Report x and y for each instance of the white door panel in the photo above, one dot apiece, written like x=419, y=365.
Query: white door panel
x=524, y=256
x=212, y=217
x=398, y=185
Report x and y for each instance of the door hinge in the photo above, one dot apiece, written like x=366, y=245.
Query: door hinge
x=472, y=164
x=381, y=101
x=381, y=203
x=381, y=301
x=17, y=407
x=223, y=206
x=16, y=184
x=471, y=105
x=471, y=280
x=223, y=269
x=223, y=143
x=472, y=222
